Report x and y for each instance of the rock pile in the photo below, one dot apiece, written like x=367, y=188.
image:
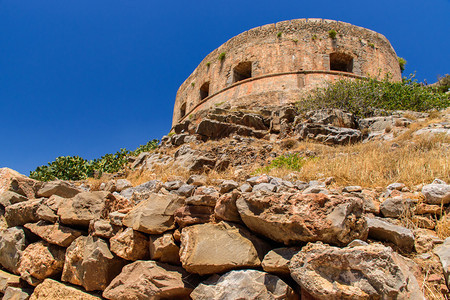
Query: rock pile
x=262, y=238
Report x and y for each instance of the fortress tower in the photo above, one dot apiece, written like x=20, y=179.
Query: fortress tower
x=276, y=64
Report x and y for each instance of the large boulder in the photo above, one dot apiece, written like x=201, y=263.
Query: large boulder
x=385, y=231
x=328, y=134
x=13, y=181
x=51, y=290
x=297, y=218
x=48, y=209
x=149, y=280
x=8, y=198
x=21, y=213
x=130, y=244
x=90, y=263
x=41, y=260
x=12, y=243
x=82, y=208
x=437, y=192
x=214, y=248
x=243, y=284
x=54, y=233
x=193, y=214
x=59, y=188
x=361, y=272
x=154, y=215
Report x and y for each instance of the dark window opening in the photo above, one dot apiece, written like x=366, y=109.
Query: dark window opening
x=242, y=71
x=204, y=91
x=341, y=62
x=183, y=110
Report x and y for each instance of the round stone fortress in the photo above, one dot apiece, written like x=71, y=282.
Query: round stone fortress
x=277, y=64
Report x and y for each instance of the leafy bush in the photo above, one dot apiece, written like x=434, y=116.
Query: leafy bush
x=77, y=168
x=222, y=56
x=401, y=63
x=363, y=97
x=332, y=33
x=292, y=162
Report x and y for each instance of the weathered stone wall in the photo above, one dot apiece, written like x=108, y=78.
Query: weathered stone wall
x=286, y=59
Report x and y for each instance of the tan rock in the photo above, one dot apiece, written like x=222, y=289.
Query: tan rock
x=8, y=279
x=90, y=263
x=8, y=198
x=193, y=214
x=164, y=249
x=82, y=208
x=243, y=284
x=422, y=209
x=226, y=208
x=130, y=244
x=154, y=215
x=277, y=260
x=59, y=188
x=41, y=260
x=296, y=218
x=425, y=240
x=48, y=209
x=423, y=222
x=214, y=248
x=12, y=244
x=102, y=228
x=149, y=280
x=13, y=181
x=361, y=272
x=54, y=233
x=13, y=293
x=21, y=213
x=51, y=290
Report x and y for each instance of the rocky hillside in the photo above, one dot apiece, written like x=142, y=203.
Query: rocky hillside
x=238, y=204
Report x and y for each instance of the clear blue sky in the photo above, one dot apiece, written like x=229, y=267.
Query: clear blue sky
x=84, y=77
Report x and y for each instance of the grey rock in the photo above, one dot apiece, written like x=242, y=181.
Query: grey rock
x=385, y=231
x=396, y=186
x=357, y=243
x=328, y=134
x=122, y=184
x=173, y=185
x=143, y=190
x=197, y=180
x=396, y=207
x=116, y=218
x=245, y=188
x=277, y=260
x=443, y=252
x=185, y=190
x=243, y=284
x=227, y=186
x=265, y=187
x=316, y=189
x=436, y=193
x=352, y=189
x=14, y=293
x=12, y=244
x=334, y=117
x=48, y=209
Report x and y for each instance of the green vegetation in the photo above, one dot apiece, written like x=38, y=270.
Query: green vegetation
x=401, y=63
x=279, y=34
x=364, y=97
x=292, y=162
x=193, y=84
x=208, y=64
x=332, y=34
x=372, y=45
x=295, y=40
x=222, y=56
x=77, y=168
x=314, y=37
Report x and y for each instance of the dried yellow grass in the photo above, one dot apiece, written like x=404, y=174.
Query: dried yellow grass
x=418, y=160
x=443, y=227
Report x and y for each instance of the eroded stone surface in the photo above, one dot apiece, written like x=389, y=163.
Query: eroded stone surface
x=54, y=233
x=243, y=284
x=51, y=290
x=130, y=244
x=361, y=272
x=277, y=260
x=213, y=248
x=59, y=188
x=385, y=231
x=21, y=213
x=154, y=215
x=89, y=263
x=164, y=249
x=295, y=218
x=149, y=280
x=12, y=243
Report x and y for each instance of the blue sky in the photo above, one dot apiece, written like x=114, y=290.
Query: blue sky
x=90, y=77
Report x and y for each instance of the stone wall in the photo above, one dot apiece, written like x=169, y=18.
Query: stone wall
x=276, y=63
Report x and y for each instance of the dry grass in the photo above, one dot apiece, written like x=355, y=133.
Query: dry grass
x=95, y=183
x=419, y=160
x=443, y=227
x=167, y=172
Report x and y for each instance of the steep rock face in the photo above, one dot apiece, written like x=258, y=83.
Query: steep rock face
x=89, y=263
x=243, y=284
x=51, y=290
x=361, y=272
x=41, y=260
x=149, y=280
x=12, y=244
x=295, y=218
x=82, y=208
x=214, y=248
x=154, y=215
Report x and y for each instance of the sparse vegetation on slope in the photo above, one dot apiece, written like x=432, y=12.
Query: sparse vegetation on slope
x=364, y=97
x=76, y=168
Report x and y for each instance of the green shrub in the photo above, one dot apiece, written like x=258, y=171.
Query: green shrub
x=292, y=162
x=332, y=34
x=401, y=63
x=222, y=56
x=77, y=168
x=314, y=37
x=279, y=34
x=364, y=97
